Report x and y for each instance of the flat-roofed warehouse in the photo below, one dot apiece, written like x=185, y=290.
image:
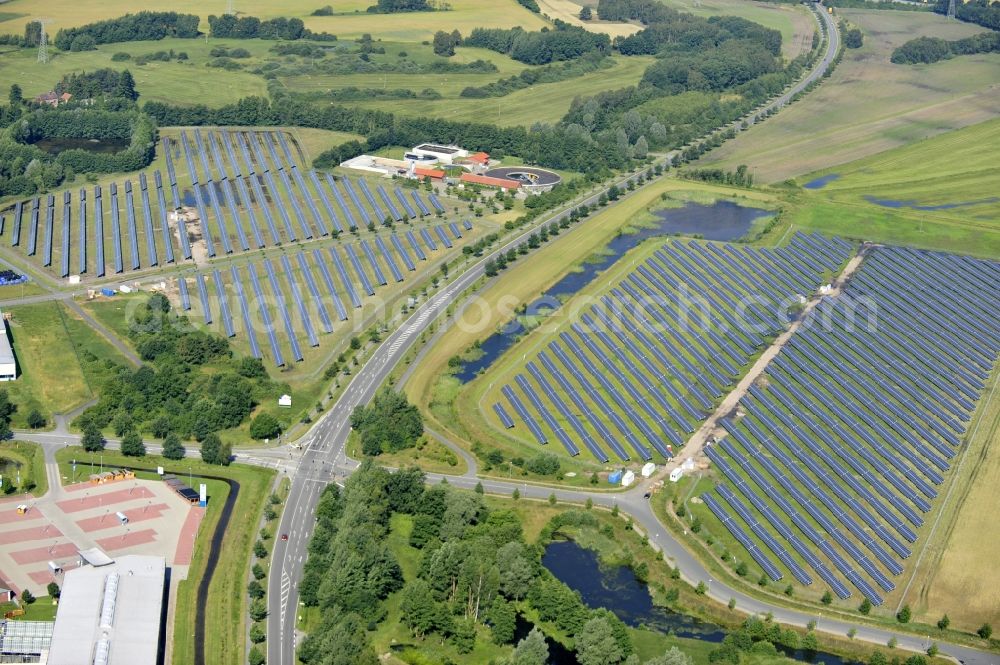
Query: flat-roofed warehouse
x=110, y=614
x=8, y=364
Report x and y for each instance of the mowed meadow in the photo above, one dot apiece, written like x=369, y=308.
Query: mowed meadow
x=869, y=105
x=350, y=18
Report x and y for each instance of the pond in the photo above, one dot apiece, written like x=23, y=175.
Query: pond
x=896, y=203
x=104, y=146
x=722, y=220
x=617, y=589
x=822, y=181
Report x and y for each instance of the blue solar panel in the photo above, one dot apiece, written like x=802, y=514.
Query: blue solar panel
x=300, y=305
x=393, y=268
x=332, y=184
x=226, y=185
x=428, y=240
x=403, y=254
x=66, y=230
x=328, y=281
x=356, y=263
x=378, y=214
x=370, y=255
x=245, y=312
x=416, y=246
x=515, y=402
x=185, y=296
x=282, y=306
x=325, y=200
x=206, y=310
x=406, y=204
x=262, y=201
x=727, y=521
x=443, y=237
x=99, y=229
x=324, y=315
x=435, y=202
x=82, y=258
x=345, y=280
x=220, y=291
x=393, y=210
x=467, y=225
x=453, y=227
x=272, y=188
x=265, y=316
x=283, y=175
x=505, y=419
x=33, y=228
x=148, y=217
x=15, y=238
x=50, y=212
x=199, y=202
x=210, y=184
x=567, y=415
x=357, y=202
x=133, y=236
x=164, y=220
x=424, y=210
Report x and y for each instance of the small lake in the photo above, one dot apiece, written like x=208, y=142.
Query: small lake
x=103, y=146
x=895, y=203
x=822, y=181
x=616, y=589
x=722, y=220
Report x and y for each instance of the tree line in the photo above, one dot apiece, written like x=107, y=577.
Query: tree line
x=565, y=42
x=925, y=50
x=142, y=26
x=250, y=27
x=981, y=12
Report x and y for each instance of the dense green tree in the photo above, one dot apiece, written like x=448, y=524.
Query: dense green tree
x=516, y=571
x=673, y=656
x=904, y=614
x=27, y=597
x=503, y=621
x=53, y=590
x=865, y=607
x=586, y=14
x=944, y=622
x=255, y=589
x=35, y=419
x=15, y=97
x=211, y=449
x=264, y=426
x=172, y=448
x=256, y=656
x=390, y=423
x=532, y=650
x=596, y=645
x=132, y=445
x=92, y=440
x=985, y=631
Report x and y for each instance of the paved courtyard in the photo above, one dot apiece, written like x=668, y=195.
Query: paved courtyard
x=83, y=515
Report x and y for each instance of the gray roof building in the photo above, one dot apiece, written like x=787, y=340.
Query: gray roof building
x=111, y=614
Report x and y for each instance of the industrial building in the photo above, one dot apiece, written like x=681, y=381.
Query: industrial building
x=8, y=364
x=110, y=613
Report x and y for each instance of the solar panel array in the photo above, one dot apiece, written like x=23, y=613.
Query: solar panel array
x=640, y=369
x=243, y=190
x=285, y=310
x=863, y=412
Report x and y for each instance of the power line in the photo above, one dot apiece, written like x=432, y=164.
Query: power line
x=43, y=41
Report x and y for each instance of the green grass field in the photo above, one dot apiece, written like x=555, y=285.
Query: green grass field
x=350, y=19
x=869, y=105
x=60, y=359
x=226, y=618
x=546, y=102
x=957, y=168
x=26, y=459
x=175, y=82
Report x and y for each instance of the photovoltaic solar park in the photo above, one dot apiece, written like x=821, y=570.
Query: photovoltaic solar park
x=220, y=193
x=645, y=365
x=832, y=464
x=826, y=472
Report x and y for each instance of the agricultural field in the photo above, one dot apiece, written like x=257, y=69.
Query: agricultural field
x=543, y=102
x=350, y=19
x=834, y=467
x=569, y=12
x=184, y=82
x=936, y=193
x=61, y=360
x=869, y=105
